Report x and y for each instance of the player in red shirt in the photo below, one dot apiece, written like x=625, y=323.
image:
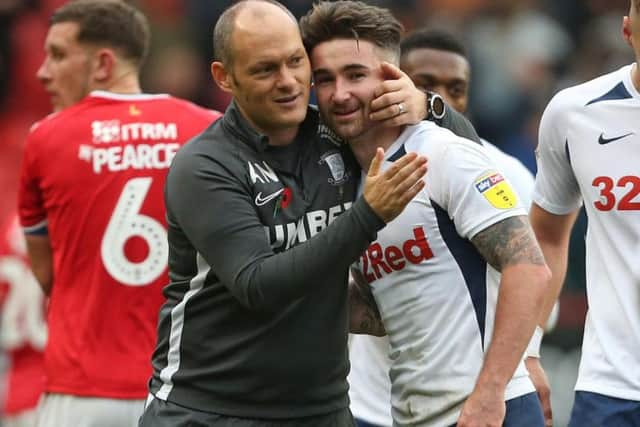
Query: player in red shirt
x=91, y=206
x=23, y=332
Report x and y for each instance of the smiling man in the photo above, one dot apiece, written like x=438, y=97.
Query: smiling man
x=436, y=61
x=457, y=276
x=264, y=221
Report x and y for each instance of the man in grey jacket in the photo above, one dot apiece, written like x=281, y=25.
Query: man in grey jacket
x=263, y=225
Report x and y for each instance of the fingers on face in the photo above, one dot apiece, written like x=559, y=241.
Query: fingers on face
x=386, y=95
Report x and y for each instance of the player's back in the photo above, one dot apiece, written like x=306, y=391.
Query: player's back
x=93, y=175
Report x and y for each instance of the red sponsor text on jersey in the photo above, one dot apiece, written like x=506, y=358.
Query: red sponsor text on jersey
x=377, y=260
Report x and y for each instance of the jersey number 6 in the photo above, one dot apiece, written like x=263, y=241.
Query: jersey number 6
x=127, y=222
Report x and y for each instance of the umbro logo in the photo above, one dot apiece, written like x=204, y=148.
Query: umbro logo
x=602, y=140
x=263, y=200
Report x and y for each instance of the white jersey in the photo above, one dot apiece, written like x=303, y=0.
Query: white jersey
x=435, y=292
x=589, y=150
x=369, y=383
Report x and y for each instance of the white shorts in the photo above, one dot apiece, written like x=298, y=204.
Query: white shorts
x=57, y=410
x=23, y=419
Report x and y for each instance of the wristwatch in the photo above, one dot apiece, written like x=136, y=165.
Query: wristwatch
x=435, y=106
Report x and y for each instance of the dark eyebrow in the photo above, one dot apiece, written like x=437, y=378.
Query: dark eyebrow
x=261, y=64
x=433, y=77
x=354, y=67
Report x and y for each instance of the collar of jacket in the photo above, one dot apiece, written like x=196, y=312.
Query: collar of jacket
x=233, y=121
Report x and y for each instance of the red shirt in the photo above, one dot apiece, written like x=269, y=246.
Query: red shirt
x=23, y=329
x=93, y=178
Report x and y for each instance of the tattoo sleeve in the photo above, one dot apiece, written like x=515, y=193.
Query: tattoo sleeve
x=510, y=241
x=364, y=315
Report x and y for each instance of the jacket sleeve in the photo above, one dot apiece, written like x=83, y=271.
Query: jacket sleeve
x=458, y=124
x=215, y=211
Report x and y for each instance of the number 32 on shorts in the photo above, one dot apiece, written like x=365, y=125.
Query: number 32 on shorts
x=127, y=222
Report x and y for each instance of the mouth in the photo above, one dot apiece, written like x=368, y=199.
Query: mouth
x=288, y=101
x=344, y=113
x=52, y=93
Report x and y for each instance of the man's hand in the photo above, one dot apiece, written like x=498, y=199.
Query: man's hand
x=397, y=101
x=388, y=193
x=485, y=407
x=541, y=383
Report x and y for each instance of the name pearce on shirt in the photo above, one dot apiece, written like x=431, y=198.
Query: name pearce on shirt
x=136, y=145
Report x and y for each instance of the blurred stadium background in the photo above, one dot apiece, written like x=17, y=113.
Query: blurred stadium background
x=523, y=51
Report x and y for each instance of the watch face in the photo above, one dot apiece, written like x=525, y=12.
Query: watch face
x=437, y=106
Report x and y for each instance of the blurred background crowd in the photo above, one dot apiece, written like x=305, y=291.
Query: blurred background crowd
x=522, y=52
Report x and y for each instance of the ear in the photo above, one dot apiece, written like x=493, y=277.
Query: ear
x=104, y=65
x=221, y=76
x=626, y=30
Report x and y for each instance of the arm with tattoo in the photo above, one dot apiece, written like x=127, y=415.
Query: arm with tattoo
x=364, y=315
x=510, y=247
x=509, y=242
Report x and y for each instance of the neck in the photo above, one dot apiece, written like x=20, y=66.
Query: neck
x=635, y=76
x=364, y=147
x=282, y=137
x=125, y=82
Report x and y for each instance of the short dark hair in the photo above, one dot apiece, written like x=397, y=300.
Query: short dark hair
x=432, y=39
x=113, y=23
x=351, y=19
x=223, y=29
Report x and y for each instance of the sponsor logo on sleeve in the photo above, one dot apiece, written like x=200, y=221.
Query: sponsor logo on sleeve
x=496, y=190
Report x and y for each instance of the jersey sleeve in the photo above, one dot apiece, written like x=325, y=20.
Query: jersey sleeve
x=556, y=189
x=213, y=208
x=468, y=185
x=516, y=172
x=31, y=210
x=521, y=178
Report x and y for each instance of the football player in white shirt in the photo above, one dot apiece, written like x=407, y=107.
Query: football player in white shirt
x=589, y=152
x=434, y=270
x=436, y=61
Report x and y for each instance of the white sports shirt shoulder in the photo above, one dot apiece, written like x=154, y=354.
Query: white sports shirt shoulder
x=435, y=293
x=369, y=384
x=515, y=171
x=589, y=152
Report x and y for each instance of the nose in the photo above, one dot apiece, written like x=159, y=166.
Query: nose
x=287, y=77
x=43, y=73
x=341, y=92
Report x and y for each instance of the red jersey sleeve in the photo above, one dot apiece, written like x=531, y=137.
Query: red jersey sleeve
x=31, y=208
